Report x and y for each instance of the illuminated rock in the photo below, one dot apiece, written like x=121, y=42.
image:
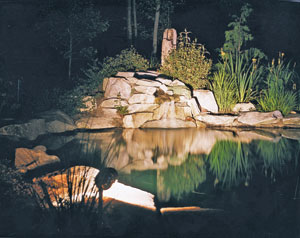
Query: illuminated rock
x=125, y=74
x=117, y=87
x=133, y=108
x=113, y=102
x=148, y=83
x=141, y=98
x=145, y=89
x=29, y=130
x=206, y=100
x=260, y=118
x=169, y=43
x=244, y=107
x=98, y=123
x=27, y=159
x=216, y=120
x=57, y=121
x=136, y=120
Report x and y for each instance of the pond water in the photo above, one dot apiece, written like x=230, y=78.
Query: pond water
x=203, y=183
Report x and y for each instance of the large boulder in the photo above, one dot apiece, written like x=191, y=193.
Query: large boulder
x=292, y=120
x=244, y=107
x=54, y=121
x=136, y=120
x=96, y=123
x=133, y=108
x=148, y=83
x=145, y=89
x=142, y=98
x=29, y=130
x=181, y=90
x=113, y=102
x=216, y=120
x=27, y=159
x=57, y=121
x=260, y=118
x=117, y=87
x=206, y=100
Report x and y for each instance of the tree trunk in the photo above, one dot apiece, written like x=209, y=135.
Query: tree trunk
x=129, y=25
x=70, y=54
x=155, y=28
x=134, y=19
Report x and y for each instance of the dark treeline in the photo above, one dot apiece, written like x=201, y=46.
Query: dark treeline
x=36, y=56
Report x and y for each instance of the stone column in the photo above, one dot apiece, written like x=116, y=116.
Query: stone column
x=168, y=44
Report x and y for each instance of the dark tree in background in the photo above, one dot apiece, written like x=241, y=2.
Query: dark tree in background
x=71, y=26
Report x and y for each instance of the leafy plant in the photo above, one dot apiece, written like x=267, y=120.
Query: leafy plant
x=224, y=88
x=277, y=95
x=188, y=62
x=246, y=74
x=128, y=59
x=241, y=65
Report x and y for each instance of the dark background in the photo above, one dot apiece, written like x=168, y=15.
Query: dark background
x=25, y=52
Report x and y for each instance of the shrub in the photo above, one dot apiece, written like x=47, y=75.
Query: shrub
x=276, y=95
x=128, y=59
x=188, y=62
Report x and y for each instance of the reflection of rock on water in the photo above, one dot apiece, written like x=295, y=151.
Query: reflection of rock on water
x=143, y=149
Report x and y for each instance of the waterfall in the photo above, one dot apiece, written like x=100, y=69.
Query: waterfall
x=169, y=110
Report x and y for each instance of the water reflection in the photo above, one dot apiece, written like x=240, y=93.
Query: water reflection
x=182, y=160
x=231, y=163
x=244, y=172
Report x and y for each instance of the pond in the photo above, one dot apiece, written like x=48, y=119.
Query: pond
x=191, y=182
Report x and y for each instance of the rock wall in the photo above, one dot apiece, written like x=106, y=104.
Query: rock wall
x=149, y=100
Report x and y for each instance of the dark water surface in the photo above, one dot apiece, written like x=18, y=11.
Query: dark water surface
x=203, y=183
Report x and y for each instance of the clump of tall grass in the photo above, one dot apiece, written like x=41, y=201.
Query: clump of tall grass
x=239, y=71
x=223, y=87
x=278, y=94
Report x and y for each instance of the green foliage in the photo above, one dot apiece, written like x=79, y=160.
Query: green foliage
x=240, y=66
x=246, y=73
x=224, y=88
x=229, y=162
x=188, y=62
x=278, y=94
x=127, y=60
x=122, y=110
x=183, y=179
x=240, y=34
x=275, y=156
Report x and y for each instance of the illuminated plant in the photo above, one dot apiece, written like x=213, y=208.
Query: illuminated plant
x=188, y=62
x=278, y=94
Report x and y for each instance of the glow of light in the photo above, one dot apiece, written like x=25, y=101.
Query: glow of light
x=131, y=195
x=167, y=210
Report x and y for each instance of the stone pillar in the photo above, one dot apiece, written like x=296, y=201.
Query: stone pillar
x=169, y=43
